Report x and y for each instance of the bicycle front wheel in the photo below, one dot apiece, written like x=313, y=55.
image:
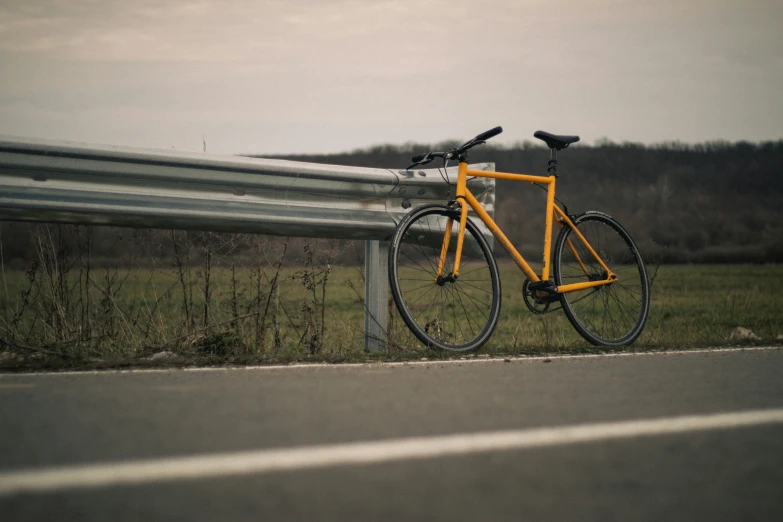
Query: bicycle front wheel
x=455, y=314
x=612, y=314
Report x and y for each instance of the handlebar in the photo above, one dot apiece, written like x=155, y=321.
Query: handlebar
x=422, y=159
x=491, y=133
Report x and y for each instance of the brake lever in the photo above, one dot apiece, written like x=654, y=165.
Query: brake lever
x=423, y=162
x=416, y=165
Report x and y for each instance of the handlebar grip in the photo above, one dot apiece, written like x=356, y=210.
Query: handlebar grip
x=484, y=136
x=417, y=158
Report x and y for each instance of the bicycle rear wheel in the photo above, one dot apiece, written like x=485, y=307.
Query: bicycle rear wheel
x=612, y=314
x=455, y=315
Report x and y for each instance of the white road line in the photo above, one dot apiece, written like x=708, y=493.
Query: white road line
x=384, y=364
x=362, y=453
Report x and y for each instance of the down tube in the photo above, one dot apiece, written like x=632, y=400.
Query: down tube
x=500, y=236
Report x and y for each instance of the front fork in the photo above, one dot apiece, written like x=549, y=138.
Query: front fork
x=462, y=177
x=444, y=249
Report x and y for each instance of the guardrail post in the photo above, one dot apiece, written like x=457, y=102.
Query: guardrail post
x=376, y=295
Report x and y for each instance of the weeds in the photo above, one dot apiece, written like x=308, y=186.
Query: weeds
x=193, y=293
x=313, y=278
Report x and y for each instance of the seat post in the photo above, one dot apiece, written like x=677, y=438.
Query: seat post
x=552, y=165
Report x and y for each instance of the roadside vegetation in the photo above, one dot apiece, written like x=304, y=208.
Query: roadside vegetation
x=236, y=299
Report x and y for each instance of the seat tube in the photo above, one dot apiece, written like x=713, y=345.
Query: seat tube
x=462, y=181
x=550, y=210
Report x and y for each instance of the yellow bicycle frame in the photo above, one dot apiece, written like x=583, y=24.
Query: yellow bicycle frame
x=552, y=211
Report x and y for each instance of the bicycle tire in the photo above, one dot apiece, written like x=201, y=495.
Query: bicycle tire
x=608, y=315
x=459, y=315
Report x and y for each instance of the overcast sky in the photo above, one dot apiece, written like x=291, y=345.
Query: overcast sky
x=284, y=76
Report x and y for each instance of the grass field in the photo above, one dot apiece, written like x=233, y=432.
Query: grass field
x=129, y=315
x=693, y=305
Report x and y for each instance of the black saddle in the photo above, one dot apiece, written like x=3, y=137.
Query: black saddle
x=553, y=141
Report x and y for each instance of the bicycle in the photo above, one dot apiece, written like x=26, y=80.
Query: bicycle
x=447, y=286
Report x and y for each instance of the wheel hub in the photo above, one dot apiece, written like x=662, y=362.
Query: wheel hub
x=442, y=280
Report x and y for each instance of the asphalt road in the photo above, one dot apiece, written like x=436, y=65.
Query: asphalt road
x=710, y=474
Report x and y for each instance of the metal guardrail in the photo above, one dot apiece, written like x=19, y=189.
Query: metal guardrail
x=65, y=182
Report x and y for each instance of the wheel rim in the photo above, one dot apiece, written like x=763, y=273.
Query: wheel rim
x=608, y=314
x=450, y=313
